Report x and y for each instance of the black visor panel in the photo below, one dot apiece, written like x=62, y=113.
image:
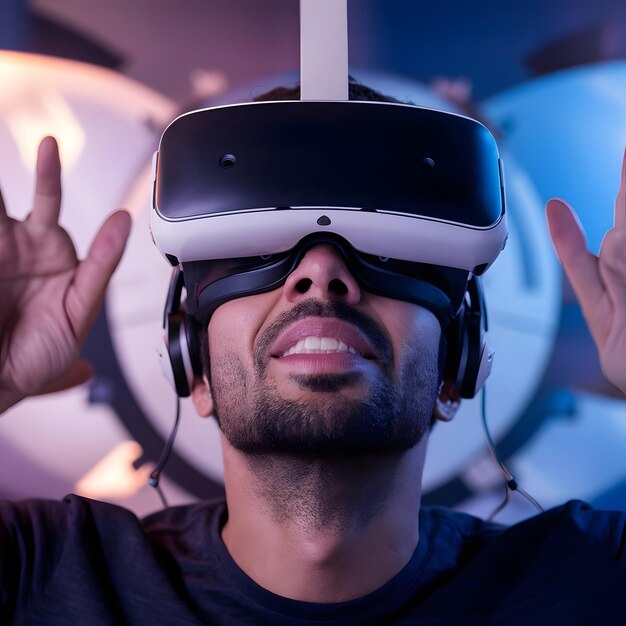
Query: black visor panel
x=211, y=283
x=372, y=156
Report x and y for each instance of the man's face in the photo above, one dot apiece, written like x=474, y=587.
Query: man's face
x=321, y=367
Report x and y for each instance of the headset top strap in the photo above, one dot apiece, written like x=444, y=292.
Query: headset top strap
x=324, y=49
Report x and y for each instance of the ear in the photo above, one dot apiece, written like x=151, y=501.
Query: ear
x=202, y=397
x=448, y=401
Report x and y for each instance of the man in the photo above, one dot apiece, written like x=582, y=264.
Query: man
x=324, y=394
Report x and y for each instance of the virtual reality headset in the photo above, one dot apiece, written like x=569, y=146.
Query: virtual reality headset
x=383, y=181
x=412, y=198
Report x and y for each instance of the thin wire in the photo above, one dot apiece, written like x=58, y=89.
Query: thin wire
x=161, y=495
x=490, y=443
x=530, y=499
x=501, y=505
x=510, y=483
x=165, y=454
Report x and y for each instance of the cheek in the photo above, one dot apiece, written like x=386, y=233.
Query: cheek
x=414, y=332
x=418, y=355
x=234, y=326
x=228, y=341
x=417, y=369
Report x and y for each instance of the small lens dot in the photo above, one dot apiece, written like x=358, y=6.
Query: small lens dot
x=228, y=161
x=428, y=163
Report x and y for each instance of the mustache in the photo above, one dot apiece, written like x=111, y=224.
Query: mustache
x=316, y=308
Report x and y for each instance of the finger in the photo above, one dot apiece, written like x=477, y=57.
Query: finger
x=579, y=264
x=47, y=201
x=620, y=201
x=78, y=374
x=613, y=268
x=92, y=276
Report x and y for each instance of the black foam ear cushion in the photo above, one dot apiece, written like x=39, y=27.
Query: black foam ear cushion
x=466, y=341
x=176, y=346
x=454, y=336
x=192, y=330
x=473, y=347
x=182, y=336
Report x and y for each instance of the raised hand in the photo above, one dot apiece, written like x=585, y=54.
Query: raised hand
x=48, y=299
x=598, y=281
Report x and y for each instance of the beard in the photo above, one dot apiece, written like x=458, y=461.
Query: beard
x=392, y=414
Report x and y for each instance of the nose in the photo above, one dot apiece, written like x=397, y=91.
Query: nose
x=322, y=273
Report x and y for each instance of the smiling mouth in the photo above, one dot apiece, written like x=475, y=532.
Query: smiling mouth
x=324, y=342
x=319, y=345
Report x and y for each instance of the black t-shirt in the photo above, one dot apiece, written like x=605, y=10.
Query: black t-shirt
x=84, y=562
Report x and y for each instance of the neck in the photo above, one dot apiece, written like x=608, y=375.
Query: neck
x=319, y=529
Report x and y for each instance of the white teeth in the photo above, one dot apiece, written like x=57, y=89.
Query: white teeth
x=319, y=345
x=313, y=343
x=328, y=343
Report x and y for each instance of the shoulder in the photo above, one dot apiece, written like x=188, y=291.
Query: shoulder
x=574, y=529
x=454, y=527
x=571, y=532
x=185, y=528
x=574, y=518
x=565, y=565
x=578, y=524
x=78, y=515
x=48, y=546
x=184, y=517
x=82, y=560
x=53, y=528
x=54, y=515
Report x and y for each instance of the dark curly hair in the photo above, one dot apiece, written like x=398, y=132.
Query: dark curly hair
x=356, y=91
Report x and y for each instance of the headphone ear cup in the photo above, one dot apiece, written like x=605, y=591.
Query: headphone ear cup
x=178, y=351
x=454, y=336
x=473, y=347
x=484, y=368
x=183, y=350
x=469, y=357
x=180, y=356
x=192, y=331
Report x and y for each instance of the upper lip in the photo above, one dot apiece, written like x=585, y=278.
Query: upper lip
x=323, y=327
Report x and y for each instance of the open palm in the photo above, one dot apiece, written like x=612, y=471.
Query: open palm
x=48, y=299
x=598, y=281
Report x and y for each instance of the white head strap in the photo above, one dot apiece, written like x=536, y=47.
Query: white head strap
x=324, y=49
